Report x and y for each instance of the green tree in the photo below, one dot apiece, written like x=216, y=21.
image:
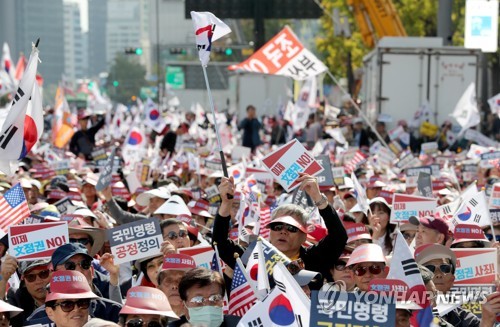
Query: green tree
x=126, y=78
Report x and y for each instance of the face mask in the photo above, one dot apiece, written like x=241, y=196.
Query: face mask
x=209, y=316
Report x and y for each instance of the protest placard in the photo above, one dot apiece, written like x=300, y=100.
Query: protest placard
x=412, y=175
x=330, y=308
x=471, y=291
x=65, y=205
x=61, y=167
x=424, y=184
x=286, y=162
x=475, y=266
x=107, y=172
x=429, y=147
x=202, y=255
x=239, y=152
x=489, y=159
x=37, y=241
x=495, y=216
x=135, y=240
x=495, y=197
x=33, y=219
x=404, y=206
x=338, y=175
x=301, y=198
x=325, y=178
x=469, y=172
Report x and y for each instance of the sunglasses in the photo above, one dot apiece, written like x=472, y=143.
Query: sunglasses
x=68, y=306
x=374, y=270
x=295, y=266
x=444, y=268
x=43, y=274
x=84, y=264
x=173, y=235
x=83, y=241
x=490, y=237
x=409, y=236
x=279, y=227
x=212, y=300
x=138, y=322
x=340, y=266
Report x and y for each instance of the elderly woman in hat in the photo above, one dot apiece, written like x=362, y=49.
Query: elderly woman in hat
x=146, y=307
x=7, y=311
x=67, y=304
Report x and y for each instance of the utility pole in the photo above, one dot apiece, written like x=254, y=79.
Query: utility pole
x=445, y=27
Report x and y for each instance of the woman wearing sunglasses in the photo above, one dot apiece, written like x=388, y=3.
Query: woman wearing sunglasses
x=67, y=304
x=35, y=275
x=367, y=262
x=288, y=229
x=146, y=307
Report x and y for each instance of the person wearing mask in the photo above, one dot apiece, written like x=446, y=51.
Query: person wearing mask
x=288, y=229
x=202, y=292
x=250, y=126
x=146, y=307
x=83, y=141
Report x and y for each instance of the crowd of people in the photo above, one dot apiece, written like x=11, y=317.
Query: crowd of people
x=327, y=239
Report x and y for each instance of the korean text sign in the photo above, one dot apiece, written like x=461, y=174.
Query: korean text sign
x=37, y=241
x=135, y=240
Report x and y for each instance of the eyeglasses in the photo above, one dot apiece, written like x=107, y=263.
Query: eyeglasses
x=85, y=264
x=43, y=274
x=68, y=306
x=138, y=322
x=374, y=270
x=200, y=301
x=340, y=265
x=173, y=235
x=83, y=241
x=295, y=266
x=444, y=268
x=490, y=237
x=278, y=227
x=409, y=236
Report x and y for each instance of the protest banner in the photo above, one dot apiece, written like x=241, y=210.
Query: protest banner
x=37, y=241
x=61, y=167
x=489, y=159
x=325, y=178
x=33, y=219
x=387, y=195
x=283, y=55
x=424, y=184
x=495, y=216
x=495, y=197
x=135, y=240
x=286, y=162
x=429, y=147
x=213, y=165
x=301, y=198
x=475, y=266
x=99, y=157
x=65, y=206
x=472, y=301
x=412, y=175
x=330, y=308
x=405, y=161
x=338, y=175
x=469, y=172
x=404, y=206
x=107, y=173
x=202, y=255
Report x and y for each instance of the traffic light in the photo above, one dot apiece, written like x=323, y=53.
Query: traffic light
x=229, y=51
x=116, y=83
x=134, y=51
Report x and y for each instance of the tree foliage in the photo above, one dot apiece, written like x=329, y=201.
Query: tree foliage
x=130, y=77
x=418, y=17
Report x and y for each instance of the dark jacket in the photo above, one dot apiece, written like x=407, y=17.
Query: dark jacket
x=318, y=257
x=168, y=142
x=20, y=298
x=84, y=141
x=460, y=317
x=229, y=321
x=121, y=216
x=250, y=129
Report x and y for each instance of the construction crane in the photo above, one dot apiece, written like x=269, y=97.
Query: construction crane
x=376, y=19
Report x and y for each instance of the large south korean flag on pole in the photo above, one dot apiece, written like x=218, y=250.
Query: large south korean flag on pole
x=207, y=29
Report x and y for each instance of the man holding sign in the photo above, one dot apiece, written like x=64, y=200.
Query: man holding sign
x=288, y=229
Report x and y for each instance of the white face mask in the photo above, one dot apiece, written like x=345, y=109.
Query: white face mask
x=207, y=316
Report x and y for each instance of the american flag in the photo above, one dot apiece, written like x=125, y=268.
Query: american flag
x=13, y=207
x=265, y=218
x=215, y=266
x=358, y=159
x=242, y=295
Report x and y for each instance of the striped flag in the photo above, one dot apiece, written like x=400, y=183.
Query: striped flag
x=242, y=294
x=216, y=266
x=358, y=159
x=265, y=218
x=13, y=208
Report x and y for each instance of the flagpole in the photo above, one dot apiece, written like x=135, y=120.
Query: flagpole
x=358, y=109
x=222, y=158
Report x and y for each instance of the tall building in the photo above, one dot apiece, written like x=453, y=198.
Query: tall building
x=24, y=21
x=75, y=55
x=97, y=54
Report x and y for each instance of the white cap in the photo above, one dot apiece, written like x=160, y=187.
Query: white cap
x=174, y=206
x=143, y=198
x=347, y=184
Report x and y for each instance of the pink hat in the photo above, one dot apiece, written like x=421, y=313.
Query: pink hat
x=357, y=231
x=468, y=233
x=288, y=220
x=147, y=300
x=69, y=284
x=174, y=261
x=367, y=253
x=200, y=208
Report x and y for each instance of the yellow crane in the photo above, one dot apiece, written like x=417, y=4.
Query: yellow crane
x=376, y=19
